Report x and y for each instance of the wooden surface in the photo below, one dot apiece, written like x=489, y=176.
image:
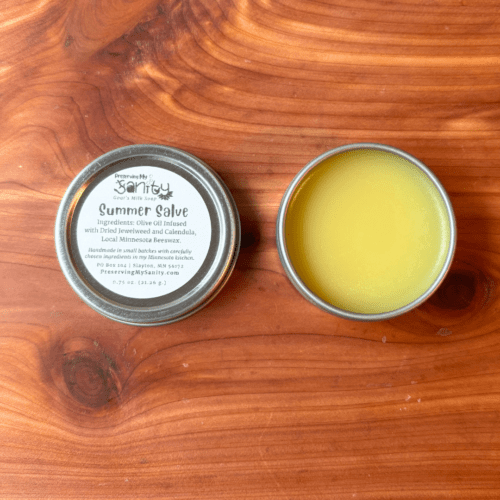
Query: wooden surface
x=260, y=395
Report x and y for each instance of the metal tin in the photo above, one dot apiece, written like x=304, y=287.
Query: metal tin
x=147, y=234
x=295, y=278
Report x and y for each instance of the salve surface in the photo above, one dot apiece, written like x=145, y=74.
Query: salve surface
x=367, y=231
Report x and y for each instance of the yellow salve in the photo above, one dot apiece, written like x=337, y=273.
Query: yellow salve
x=367, y=231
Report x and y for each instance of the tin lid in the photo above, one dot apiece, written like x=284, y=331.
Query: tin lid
x=147, y=234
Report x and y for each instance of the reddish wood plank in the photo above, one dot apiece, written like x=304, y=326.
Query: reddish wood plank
x=260, y=395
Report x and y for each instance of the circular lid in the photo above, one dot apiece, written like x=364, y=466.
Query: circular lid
x=147, y=234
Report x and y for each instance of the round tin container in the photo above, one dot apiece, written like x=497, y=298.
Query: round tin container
x=295, y=277
x=147, y=234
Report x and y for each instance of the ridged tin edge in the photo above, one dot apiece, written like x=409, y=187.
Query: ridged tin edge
x=228, y=253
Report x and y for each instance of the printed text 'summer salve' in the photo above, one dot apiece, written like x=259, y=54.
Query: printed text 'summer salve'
x=367, y=231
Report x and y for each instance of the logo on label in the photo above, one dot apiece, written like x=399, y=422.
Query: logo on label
x=141, y=184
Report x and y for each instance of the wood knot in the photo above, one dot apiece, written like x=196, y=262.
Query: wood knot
x=462, y=305
x=90, y=378
x=249, y=238
x=84, y=372
x=456, y=292
x=250, y=234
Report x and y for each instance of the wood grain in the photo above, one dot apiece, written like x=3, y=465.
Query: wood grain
x=260, y=395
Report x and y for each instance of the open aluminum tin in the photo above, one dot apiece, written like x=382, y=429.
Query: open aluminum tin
x=295, y=278
x=111, y=261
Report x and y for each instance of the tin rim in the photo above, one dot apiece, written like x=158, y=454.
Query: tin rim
x=223, y=259
x=294, y=276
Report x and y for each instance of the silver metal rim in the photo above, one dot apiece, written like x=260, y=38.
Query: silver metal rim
x=224, y=259
x=295, y=278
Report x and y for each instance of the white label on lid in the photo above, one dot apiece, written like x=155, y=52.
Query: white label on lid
x=143, y=232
